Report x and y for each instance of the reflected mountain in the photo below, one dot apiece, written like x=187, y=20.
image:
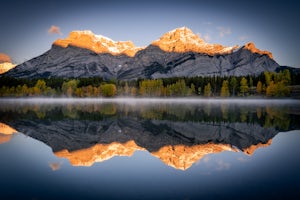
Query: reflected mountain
x=177, y=134
x=6, y=133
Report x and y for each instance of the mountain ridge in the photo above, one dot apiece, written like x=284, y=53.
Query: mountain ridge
x=182, y=40
x=179, y=52
x=98, y=43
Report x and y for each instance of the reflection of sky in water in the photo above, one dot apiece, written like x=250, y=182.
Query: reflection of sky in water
x=269, y=172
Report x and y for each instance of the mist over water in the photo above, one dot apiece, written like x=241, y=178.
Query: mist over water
x=125, y=100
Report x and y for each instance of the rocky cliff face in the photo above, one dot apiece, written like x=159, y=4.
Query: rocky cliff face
x=153, y=62
x=177, y=53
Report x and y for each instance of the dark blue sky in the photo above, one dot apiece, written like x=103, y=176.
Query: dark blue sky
x=271, y=25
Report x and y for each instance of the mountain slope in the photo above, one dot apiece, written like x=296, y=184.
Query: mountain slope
x=177, y=53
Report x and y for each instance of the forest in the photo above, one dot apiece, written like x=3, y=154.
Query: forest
x=269, y=84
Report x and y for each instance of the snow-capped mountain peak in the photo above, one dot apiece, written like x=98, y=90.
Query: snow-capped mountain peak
x=6, y=66
x=98, y=43
x=183, y=40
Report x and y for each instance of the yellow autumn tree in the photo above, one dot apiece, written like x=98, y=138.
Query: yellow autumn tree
x=259, y=87
x=225, y=89
x=244, y=89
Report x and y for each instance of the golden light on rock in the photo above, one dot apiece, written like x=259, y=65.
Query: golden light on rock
x=251, y=47
x=98, y=43
x=250, y=150
x=179, y=156
x=6, y=133
x=184, y=40
x=183, y=157
x=6, y=66
x=99, y=153
x=6, y=130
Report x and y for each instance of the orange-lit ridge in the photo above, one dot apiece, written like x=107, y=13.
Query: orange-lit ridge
x=6, y=66
x=184, y=40
x=251, y=47
x=99, y=153
x=183, y=157
x=178, y=156
x=250, y=150
x=6, y=133
x=5, y=63
x=98, y=43
x=178, y=40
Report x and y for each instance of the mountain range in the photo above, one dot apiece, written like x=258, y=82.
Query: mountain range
x=178, y=53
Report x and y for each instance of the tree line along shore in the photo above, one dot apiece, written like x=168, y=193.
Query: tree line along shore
x=269, y=84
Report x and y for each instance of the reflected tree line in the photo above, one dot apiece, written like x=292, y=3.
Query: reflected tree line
x=278, y=117
x=269, y=84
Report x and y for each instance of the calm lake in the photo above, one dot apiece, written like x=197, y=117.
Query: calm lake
x=149, y=149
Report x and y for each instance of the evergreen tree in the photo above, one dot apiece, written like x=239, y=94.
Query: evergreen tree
x=193, y=90
x=250, y=82
x=233, y=85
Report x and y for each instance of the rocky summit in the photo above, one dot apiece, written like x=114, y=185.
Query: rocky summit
x=178, y=53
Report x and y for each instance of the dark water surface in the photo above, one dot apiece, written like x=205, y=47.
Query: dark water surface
x=149, y=149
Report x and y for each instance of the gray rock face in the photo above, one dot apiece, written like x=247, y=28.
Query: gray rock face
x=150, y=134
x=151, y=62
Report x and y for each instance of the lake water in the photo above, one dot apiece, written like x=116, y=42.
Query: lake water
x=149, y=149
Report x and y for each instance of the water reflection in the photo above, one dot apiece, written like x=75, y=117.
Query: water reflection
x=178, y=134
x=6, y=133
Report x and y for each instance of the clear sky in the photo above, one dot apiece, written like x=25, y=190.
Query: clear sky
x=271, y=25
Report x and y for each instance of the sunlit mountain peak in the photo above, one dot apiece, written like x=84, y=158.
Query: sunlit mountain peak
x=184, y=40
x=98, y=43
x=99, y=153
x=183, y=157
x=251, y=47
x=6, y=66
x=5, y=63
